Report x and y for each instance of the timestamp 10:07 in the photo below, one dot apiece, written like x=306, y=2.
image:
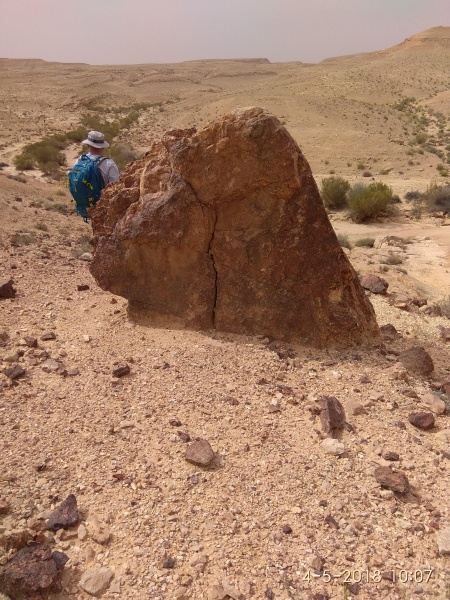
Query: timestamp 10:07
x=373, y=576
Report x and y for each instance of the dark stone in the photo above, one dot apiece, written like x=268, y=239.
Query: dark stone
x=392, y=480
x=121, y=370
x=200, y=453
x=286, y=529
x=332, y=415
x=388, y=331
x=7, y=290
x=31, y=342
x=175, y=422
x=184, y=436
x=330, y=520
x=49, y=335
x=168, y=563
x=82, y=287
x=269, y=594
x=14, y=372
x=391, y=456
x=375, y=284
x=32, y=570
x=422, y=420
x=417, y=360
x=65, y=515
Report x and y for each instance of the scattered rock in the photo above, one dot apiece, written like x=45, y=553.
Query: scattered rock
x=422, y=420
x=392, y=456
x=417, y=360
x=389, y=332
x=7, y=290
x=87, y=256
x=332, y=415
x=374, y=283
x=443, y=541
x=97, y=531
x=32, y=570
x=393, y=480
x=14, y=372
x=49, y=335
x=82, y=287
x=355, y=408
x=65, y=515
x=434, y=403
x=200, y=453
x=168, y=563
x=4, y=338
x=96, y=580
x=121, y=370
x=333, y=446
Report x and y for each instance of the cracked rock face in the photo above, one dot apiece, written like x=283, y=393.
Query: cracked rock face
x=224, y=228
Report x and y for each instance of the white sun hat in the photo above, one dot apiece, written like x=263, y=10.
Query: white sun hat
x=96, y=139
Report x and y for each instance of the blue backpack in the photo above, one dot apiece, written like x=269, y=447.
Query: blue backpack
x=85, y=183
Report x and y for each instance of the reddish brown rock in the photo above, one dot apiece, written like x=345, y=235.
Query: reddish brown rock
x=224, y=228
x=7, y=290
x=422, y=420
x=65, y=515
x=332, y=415
x=32, y=570
x=375, y=284
x=393, y=480
x=200, y=453
x=417, y=360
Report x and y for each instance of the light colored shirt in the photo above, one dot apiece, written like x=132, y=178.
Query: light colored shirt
x=107, y=168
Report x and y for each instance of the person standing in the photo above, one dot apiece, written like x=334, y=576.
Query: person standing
x=96, y=143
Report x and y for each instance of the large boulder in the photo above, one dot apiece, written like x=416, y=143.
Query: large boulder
x=224, y=228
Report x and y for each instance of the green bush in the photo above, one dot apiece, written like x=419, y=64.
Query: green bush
x=344, y=241
x=122, y=154
x=334, y=192
x=23, y=162
x=369, y=202
x=366, y=242
x=437, y=197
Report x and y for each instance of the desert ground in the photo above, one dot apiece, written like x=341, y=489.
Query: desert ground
x=276, y=514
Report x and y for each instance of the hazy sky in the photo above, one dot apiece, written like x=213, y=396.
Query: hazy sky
x=160, y=31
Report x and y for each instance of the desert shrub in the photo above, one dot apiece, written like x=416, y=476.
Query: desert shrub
x=413, y=195
x=392, y=259
x=366, y=242
x=367, y=174
x=386, y=171
x=421, y=138
x=41, y=226
x=334, y=192
x=23, y=162
x=122, y=154
x=360, y=166
x=369, y=202
x=77, y=135
x=437, y=197
x=344, y=241
x=58, y=207
x=444, y=305
x=23, y=238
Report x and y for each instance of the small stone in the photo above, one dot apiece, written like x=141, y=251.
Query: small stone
x=231, y=591
x=87, y=256
x=31, y=342
x=332, y=415
x=175, y=422
x=180, y=593
x=121, y=370
x=14, y=372
x=434, y=403
x=7, y=289
x=393, y=456
x=374, y=283
x=269, y=594
x=443, y=435
x=32, y=570
x=417, y=360
x=97, y=531
x=393, y=480
x=184, y=436
x=82, y=287
x=355, y=408
x=86, y=338
x=168, y=563
x=422, y=420
x=48, y=336
x=96, y=580
x=287, y=529
x=443, y=541
x=4, y=507
x=333, y=446
x=200, y=453
x=65, y=515
x=82, y=533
